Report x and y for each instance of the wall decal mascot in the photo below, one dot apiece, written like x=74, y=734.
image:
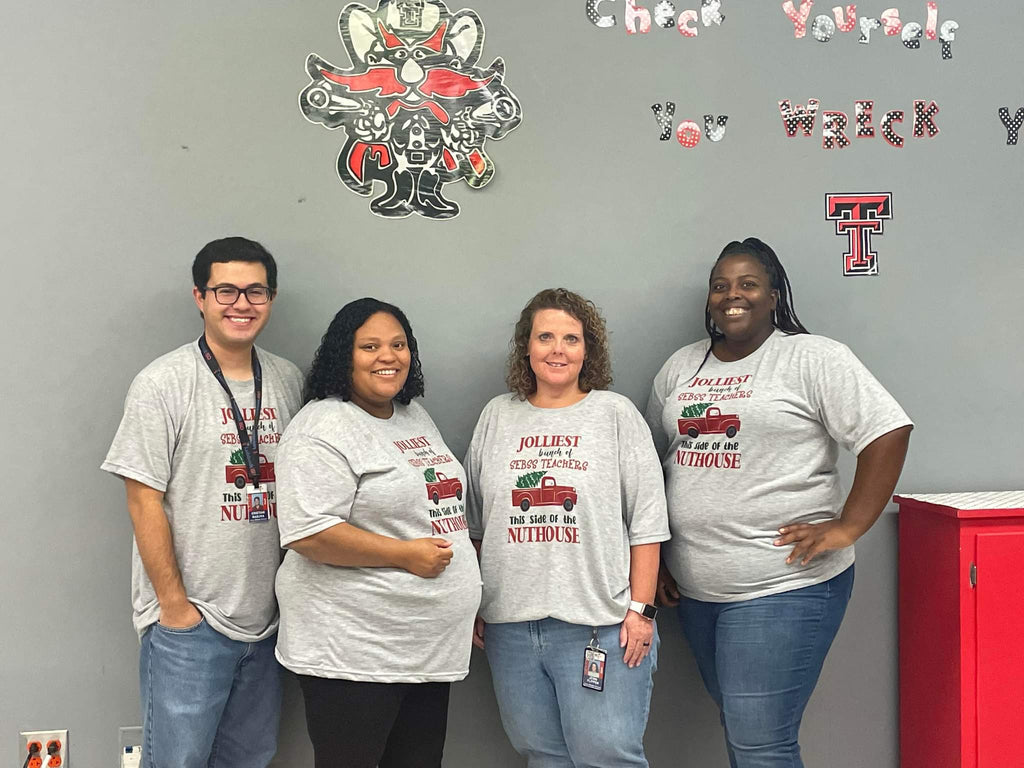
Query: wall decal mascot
x=415, y=107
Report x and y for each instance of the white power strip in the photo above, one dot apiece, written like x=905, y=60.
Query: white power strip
x=131, y=757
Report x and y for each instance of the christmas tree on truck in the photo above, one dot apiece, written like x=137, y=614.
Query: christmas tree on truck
x=529, y=480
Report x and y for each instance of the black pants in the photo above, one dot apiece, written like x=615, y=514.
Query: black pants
x=366, y=725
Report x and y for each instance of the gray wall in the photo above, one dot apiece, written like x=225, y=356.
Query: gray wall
x=135, y=132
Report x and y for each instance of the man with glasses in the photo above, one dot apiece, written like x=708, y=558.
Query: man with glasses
x=195, y=449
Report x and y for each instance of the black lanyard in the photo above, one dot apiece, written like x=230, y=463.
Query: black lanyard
x=250, y=450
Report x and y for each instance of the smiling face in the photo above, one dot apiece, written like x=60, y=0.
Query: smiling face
x=233, y=326
x=380, y=364
x=556, y=350
x=741, y=299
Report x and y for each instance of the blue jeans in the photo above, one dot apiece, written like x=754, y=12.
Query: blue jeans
x=760, y=660
x=207, y=701
x=550, y=718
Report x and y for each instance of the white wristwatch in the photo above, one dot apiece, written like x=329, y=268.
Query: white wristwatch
x=644, y=609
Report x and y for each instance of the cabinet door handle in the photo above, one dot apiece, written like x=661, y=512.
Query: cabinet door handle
x=974, y=575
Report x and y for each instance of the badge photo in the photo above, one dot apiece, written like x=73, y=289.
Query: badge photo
x=593, y=668
x=259, y=505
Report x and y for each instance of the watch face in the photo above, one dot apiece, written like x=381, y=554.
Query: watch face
x=649, y=612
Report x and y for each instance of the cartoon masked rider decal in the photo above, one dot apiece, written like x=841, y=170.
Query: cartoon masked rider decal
x=415, y=107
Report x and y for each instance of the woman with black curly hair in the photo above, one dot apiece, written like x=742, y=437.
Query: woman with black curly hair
x=380, y=584
x=566, y=503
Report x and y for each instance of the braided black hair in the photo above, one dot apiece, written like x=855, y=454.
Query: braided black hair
x=784, y=315
x=331, y=374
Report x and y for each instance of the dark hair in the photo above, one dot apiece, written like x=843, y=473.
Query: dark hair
x=331, y=374
x=596, y=372
x=784, y=315
x=232, y=249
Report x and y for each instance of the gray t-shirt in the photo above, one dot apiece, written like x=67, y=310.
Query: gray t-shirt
x=557, y=497
x=394, y=477
x=178, y=436
x=752, y=445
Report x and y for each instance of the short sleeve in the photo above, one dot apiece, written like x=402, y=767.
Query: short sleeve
x=642, y=486
x=474, y=493
x=292, y=379
x=315, y=487
x=655, y=409
x=853, y=406
x=143, y=447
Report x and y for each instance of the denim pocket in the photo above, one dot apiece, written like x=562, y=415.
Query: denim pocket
x=182, y=630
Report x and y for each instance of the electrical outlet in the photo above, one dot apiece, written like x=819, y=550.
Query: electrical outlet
x=44, y=749
x=130, y=739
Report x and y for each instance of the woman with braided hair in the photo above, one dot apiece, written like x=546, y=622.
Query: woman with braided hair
x=761, y=558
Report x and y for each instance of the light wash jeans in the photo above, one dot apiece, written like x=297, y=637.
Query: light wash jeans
x=760, y=660
x=207, y=701
x=550, y=718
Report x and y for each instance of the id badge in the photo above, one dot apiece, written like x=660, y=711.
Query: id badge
x=593, y=668
x=259, y=505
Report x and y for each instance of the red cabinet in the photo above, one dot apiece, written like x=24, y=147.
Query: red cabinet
x=961, y=608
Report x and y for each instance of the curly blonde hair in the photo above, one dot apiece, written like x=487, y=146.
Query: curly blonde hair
x=596, y=372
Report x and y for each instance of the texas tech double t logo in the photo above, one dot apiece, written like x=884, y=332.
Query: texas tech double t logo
x=858, y=216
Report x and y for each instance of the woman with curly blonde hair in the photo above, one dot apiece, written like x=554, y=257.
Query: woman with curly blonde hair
x=565, y=502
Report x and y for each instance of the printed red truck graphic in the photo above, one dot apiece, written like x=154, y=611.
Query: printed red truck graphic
x=547, y=494
x=711, y=423
x=237, y=474
x=444, y=488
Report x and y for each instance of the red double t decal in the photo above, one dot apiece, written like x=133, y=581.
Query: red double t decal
x=859, y=216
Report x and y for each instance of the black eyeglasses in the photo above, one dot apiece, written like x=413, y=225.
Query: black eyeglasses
x=228, y=294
